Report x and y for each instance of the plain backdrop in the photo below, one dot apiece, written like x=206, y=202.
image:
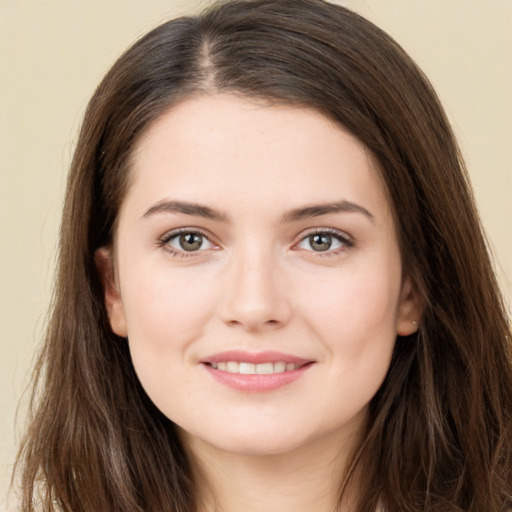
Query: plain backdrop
x=54, y=53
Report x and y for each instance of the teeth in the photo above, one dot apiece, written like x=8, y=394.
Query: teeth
x=265, y=368
x=253, y=369
x=279, y=367
x=232, y=367
x=246, y=368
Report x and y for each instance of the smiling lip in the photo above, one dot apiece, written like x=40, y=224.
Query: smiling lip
x=256, y=372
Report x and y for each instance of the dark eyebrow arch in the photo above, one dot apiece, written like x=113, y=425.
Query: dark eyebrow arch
x=186, y=208
x=316, y=210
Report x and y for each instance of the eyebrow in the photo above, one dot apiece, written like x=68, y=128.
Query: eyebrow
x=297, y=214
x=316, y=210
x=186, y=208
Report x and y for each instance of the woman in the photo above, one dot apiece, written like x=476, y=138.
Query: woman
x=274, y=292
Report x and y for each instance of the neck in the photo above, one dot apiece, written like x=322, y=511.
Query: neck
x=308, y=478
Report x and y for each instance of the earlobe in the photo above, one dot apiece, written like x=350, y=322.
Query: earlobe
x=103, y=260
x=410, y=309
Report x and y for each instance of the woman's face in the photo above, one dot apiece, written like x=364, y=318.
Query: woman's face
x=256, y=275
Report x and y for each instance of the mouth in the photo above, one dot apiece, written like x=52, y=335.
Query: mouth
x=260, y=372
x=246, y=368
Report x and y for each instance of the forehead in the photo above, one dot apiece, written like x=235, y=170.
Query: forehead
x=223, y=147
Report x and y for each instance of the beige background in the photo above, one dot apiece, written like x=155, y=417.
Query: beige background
x=53, y=53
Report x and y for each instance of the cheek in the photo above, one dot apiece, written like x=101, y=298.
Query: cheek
x=166, y=309
x=352, y=301
x=354, y=317
x=355, y=323
x=167, y=313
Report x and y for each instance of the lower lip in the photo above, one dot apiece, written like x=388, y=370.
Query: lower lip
x=257, y=383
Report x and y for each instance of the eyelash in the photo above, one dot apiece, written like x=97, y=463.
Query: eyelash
x=168, y=237
x=345, y=241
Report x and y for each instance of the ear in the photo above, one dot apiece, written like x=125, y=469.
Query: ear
x=410, y=309
x=103, y=259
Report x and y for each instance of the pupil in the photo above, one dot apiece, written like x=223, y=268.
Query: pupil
x=191, y=241
x=320, y=242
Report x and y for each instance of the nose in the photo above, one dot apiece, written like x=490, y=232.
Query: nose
x=256, y=298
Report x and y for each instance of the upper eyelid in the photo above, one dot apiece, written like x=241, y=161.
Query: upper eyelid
x=346, y=241
x=331, y=231
x=178, y=231
x=164, y=242
x=168, y=235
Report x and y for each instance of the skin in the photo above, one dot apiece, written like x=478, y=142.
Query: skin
x=258, y=283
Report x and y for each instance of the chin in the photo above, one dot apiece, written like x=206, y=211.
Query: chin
x=262, y=441
x=260, y=447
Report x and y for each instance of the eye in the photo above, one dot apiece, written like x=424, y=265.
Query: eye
x=324, y=241
x=186, y=242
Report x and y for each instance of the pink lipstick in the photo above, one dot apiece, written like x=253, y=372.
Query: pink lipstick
x=256, y=372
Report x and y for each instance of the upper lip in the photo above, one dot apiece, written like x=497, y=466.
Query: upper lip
x=241, y=356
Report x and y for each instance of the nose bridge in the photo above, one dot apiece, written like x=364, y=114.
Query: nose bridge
x=255, y=293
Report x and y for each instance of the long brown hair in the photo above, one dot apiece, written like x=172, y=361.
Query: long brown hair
x=439, y=434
